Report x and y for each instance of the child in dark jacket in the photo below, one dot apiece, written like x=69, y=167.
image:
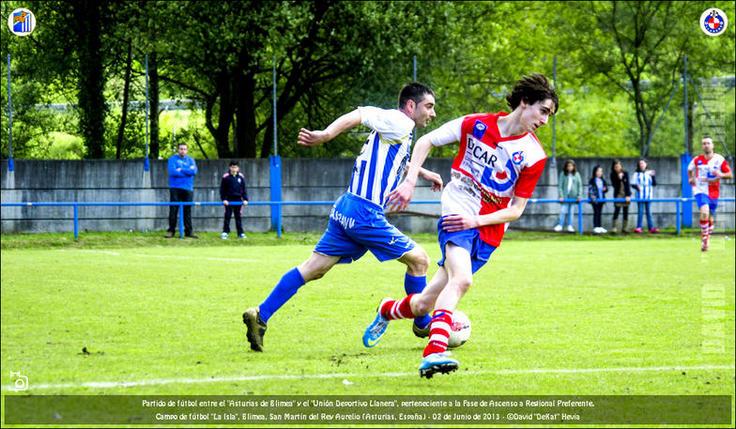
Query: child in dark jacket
x=597, y=188
x=232, y=189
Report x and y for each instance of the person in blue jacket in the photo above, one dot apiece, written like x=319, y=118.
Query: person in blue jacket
x=182, y=170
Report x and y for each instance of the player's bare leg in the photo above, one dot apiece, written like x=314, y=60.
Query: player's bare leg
x=313, y=268
x=416, y=261
x=459, y=278
x=424, y=302
x=317, y=266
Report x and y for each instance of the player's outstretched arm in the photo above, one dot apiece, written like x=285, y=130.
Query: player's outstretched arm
x=400, y=198
x=339, y=126
x=459, y=222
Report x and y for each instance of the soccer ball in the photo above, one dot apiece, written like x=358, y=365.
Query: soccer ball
x=460, y=330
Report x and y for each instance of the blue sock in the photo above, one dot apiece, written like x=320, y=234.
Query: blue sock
x=282, y=292
x=412, y=285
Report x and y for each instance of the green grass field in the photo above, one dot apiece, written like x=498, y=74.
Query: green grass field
x=563, y=316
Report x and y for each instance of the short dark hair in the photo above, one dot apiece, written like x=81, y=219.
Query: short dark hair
x=413, y=91
x=233, y=163
x=181, y=144
x=531, y=89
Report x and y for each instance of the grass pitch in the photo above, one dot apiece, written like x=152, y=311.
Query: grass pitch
x=559, y=316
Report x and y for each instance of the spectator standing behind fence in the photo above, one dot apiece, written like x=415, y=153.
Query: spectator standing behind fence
x=621, y=189
x=597, y=188
x=182, y=170
x=232, y=189
x=644, y=183
x=569, y=186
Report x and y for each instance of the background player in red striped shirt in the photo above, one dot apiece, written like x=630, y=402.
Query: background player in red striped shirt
x=704, y=174
x=498, y=164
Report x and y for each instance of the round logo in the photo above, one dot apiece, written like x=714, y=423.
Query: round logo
x=518, y=157
x=713, y=22
x=21, y=22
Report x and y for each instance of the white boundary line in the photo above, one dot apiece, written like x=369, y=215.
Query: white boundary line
x=198, y=258
x=101, y=252
x=164, y=381
x=146, y=255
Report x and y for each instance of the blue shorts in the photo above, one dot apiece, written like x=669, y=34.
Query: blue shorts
x=703, y=199
x=468, y=239
x=357, y=225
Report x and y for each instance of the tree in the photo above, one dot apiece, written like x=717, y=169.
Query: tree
x=68, y=50
x=140, y=23
x=126, y=98
x=87, y=33
x=322, y=49
x=638, y=46
x=332, y=56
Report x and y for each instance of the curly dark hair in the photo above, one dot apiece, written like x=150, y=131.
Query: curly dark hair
x=531, y=89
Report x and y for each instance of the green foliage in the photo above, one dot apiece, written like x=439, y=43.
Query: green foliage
x=616, y=65
x=639, y=47
x=592, y=124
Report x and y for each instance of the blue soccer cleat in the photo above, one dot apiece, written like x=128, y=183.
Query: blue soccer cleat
x=437, y=362
x=376, y=329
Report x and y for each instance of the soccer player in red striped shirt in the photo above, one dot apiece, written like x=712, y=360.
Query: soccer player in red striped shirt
x=498, y=164
x=704, y=174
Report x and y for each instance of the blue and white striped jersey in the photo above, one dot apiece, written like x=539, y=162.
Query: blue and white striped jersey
x=380, y=166
x=645, y=182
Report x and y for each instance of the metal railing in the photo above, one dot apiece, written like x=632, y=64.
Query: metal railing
x=679, y=201
x=75, y=207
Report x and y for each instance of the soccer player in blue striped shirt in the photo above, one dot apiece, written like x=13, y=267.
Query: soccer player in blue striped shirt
x=357, y=221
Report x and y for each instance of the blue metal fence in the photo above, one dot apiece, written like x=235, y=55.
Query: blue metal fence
x=679, y=204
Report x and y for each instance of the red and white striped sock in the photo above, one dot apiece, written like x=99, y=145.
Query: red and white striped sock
x=439, y=332
x=397, y=309
x=704, y=227
x=710, y=227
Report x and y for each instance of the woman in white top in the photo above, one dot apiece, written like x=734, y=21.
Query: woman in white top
x=570, y=187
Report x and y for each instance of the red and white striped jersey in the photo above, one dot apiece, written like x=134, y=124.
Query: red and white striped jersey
x=706, y=182
x=488, y=169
